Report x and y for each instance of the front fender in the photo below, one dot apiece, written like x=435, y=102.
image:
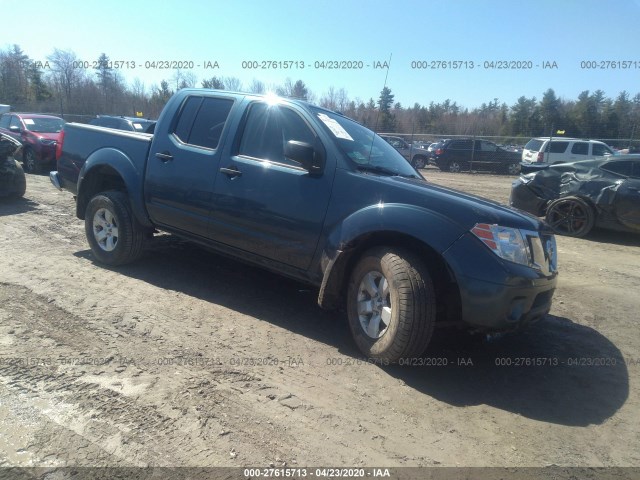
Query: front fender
x=392, y=224
x=113, y=162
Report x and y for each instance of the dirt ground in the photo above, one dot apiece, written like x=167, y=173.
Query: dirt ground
x=186, y=358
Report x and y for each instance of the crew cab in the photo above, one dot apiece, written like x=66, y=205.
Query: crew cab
x=315, y=196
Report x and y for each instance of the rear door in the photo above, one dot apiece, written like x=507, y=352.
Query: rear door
x=183, y=163
x=264, y=203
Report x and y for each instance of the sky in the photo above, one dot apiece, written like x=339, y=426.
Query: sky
x=485, y=35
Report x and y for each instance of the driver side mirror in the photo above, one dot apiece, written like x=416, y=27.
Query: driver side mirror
x=14, y=129
x=309, y=157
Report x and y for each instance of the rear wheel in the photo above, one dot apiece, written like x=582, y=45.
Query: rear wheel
x=391, y=305
x=114, y=234
x=455, y=166
x=419, y=162
x=570, y=216
x=29, y=161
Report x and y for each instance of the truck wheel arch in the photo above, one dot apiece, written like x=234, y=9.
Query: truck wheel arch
x=332, y=293
x=110, y=169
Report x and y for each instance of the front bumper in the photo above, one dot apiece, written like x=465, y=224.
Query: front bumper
x=496, y=294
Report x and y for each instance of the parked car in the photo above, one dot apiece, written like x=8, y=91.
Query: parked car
x=549, y=151
x=310, y=194
x=12, y=179
x=456, y=155
x=39, y=135
x=131, y=124
x=417, y=155
x=574, y=197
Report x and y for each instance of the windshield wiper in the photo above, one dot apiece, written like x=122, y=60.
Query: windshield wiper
x=384, y=171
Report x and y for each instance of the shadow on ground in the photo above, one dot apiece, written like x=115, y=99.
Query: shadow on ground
x=556, y=371
x=15, y=206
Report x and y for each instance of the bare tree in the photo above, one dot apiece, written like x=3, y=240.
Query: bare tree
x=65, y=72
x=232, y=83
x=257, y=86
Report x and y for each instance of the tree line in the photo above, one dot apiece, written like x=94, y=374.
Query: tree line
x=58, y=85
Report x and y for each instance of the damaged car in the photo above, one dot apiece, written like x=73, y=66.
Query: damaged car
x=575, y=197
x=12, y=179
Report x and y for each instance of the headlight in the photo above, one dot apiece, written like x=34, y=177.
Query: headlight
x=507, y=243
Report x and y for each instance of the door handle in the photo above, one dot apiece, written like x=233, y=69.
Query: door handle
x=231, y=172
x=164, y=156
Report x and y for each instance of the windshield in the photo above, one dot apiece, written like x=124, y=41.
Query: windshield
x=44, y=125
x=362, y=147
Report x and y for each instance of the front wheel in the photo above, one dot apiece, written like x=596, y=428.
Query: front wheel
x=391, y=305
x=513, y=168
x=19, y=182
x=570, y=216
x=114, y=234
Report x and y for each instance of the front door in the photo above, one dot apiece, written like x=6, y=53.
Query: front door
x=265, y=203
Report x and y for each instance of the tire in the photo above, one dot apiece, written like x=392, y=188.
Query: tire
x=391, y=305
x=570, y=216
x=29, y=161
x=513, y=169
x=419, y=162
x=113, y=233
x=455, y=167
x=20, y=182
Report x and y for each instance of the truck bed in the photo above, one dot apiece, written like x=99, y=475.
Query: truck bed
x=82, y=143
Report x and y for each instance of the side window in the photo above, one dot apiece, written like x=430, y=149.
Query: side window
x=460, y=145
x=621, y=168
x=112, y=123
x=488, y=146
x=209, y=122
x=202, y=120
x=187, y=115
x=580, y=148
x=268, y=128
x=4, y=121
x=558, y=147
x=15, y=122
x=600, y=150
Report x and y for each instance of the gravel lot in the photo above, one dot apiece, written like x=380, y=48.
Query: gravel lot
x=186, y=358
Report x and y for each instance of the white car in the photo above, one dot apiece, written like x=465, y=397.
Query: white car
x=546, y=151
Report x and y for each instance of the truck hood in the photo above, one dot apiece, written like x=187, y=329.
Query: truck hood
x=459, y=207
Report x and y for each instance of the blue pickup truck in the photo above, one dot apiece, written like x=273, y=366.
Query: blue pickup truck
x=313, y=195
